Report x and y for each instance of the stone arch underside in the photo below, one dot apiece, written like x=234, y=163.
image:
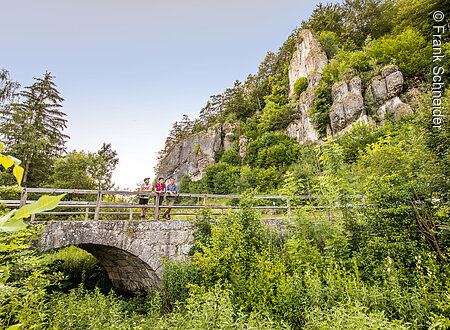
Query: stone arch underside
x=125, y=270
x=130, y=252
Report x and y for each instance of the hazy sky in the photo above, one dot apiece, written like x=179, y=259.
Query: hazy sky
x=129, y=69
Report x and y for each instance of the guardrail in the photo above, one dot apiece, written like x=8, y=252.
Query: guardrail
x=98, y=204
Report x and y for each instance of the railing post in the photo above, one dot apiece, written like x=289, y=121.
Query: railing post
x=156, y=206
x=23, y=197
x=131, y=214
x=97, y=206
x=205, y=200
x=86, y=214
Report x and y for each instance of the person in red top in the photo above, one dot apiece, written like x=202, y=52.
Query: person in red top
x=160, y=189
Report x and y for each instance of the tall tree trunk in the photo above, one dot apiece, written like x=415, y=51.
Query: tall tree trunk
x=27, y=167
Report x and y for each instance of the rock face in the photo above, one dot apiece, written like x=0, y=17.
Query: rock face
x=228, y=135
x=307, y=61
x=348, y=104
x=243, y=146
x=308, y=58
x=302, y=129
x=384, y=93
x=191, y=156
x=350, y=101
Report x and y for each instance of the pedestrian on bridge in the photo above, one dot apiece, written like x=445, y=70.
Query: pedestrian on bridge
x=160, y=190
x=143, y=200
x=171, y=192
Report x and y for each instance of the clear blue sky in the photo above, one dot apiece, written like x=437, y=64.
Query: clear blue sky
x=129, y=69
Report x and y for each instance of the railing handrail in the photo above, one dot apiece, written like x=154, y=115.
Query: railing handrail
x=136, y=192
x=99, y=204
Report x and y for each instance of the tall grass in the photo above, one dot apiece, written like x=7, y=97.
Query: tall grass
x=79, y=266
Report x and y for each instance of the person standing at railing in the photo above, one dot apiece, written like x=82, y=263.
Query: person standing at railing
x=143, y=200
x=160, y=189
x=171, y=192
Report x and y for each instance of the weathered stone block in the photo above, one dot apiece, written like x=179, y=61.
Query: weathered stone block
x=379, y=91
x=394, y=84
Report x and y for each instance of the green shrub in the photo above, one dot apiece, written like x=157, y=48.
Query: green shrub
x=268, y=179
x=358, y=60
x=409, y=50
x=276, y=116
x=175, y=279
x=350, y=317
x=221, y=178
x=202, y=234
x=300, y=86
x=241, y=253
x=355, y=141
x=231, y=157
x=272, y=149
x=329, y=42
x=215, y=309
x=320, y=111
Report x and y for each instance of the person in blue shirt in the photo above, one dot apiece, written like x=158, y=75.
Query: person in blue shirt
x=171, y=193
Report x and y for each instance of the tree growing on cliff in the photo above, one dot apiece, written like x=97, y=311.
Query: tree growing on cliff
x=32, y=128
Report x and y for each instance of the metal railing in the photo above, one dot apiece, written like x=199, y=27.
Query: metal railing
x=97, y=204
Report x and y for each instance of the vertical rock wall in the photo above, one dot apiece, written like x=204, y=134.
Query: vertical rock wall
x=192, y=156
x=307, y=61
x=348, y=96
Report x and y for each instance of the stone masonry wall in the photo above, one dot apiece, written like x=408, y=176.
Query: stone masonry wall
x=131, y=252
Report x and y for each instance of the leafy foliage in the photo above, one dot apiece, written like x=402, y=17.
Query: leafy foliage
x=300, y=85
x=409, y=50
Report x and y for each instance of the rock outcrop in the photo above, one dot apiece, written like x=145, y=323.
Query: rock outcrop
x=307, y=61
x=350, y=101
x=348, y=104
x=192, y=156
x=384, y=92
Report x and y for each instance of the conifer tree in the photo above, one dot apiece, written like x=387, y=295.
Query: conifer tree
x=33, y=127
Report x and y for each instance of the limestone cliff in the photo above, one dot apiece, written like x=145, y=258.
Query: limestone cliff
x=192, y=155
x=307, y=61
x=349, y=105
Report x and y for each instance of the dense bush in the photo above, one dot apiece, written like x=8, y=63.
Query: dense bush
x=276, y=116
x=329, y=42
x=231, y=157
x=82, y=309
x=272, y=149
x=320, y=111
x=409, y=50
x=300, y=86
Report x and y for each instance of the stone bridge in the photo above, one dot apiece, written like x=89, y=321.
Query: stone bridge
x=130, y=251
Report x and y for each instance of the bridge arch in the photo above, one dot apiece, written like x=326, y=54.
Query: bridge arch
x=130, y=251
